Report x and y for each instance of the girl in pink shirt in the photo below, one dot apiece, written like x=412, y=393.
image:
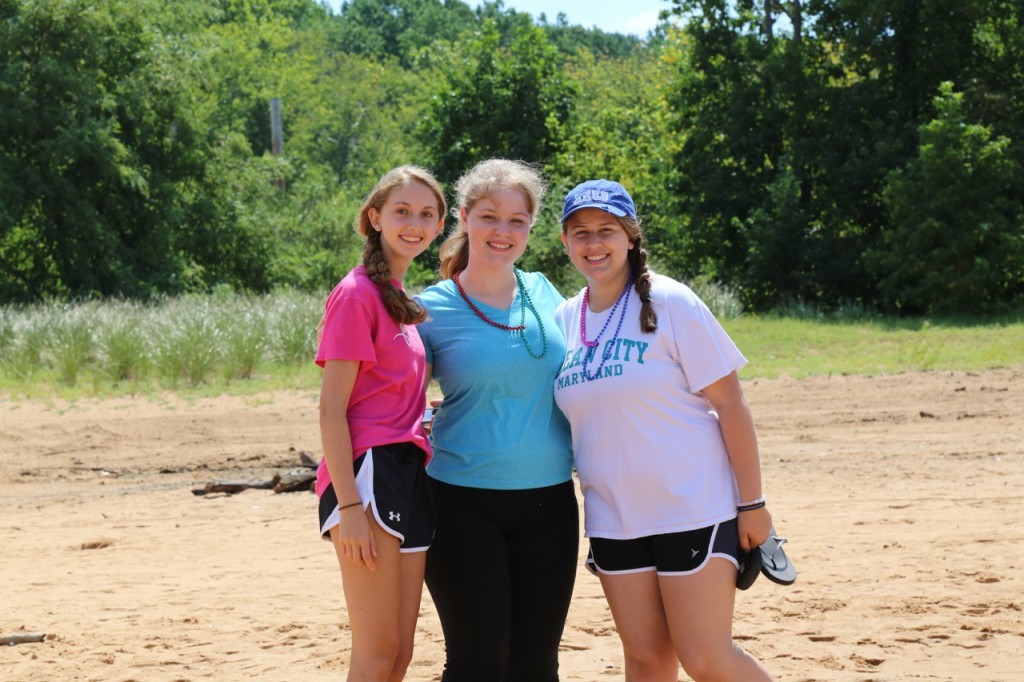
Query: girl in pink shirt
x=375, y=501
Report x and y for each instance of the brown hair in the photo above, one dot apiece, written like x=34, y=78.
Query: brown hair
x=641, y=274
x=477, y=183
x=401, y=308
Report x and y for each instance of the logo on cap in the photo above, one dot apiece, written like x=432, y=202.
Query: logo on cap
x=603, y=194
x=592, y=195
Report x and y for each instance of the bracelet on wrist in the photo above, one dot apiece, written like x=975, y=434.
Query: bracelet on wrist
x=751, y=506
x=353, y=504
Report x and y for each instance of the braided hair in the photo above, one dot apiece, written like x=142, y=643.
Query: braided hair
x=401, y=308
x=641, y=274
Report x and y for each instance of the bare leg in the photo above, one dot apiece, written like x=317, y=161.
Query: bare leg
x=636, y=603
x=383, y=606
x=412, y=565
x=699, y=609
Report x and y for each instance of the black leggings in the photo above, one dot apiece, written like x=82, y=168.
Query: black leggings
x=501, y=572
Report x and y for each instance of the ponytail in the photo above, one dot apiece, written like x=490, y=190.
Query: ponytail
x=454, y=254
x=642, y=284
x=637, y=260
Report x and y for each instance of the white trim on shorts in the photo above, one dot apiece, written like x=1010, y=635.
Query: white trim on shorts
x=364, y=486
x=591, y=563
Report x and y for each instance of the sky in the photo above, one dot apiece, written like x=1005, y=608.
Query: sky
x=618, y=16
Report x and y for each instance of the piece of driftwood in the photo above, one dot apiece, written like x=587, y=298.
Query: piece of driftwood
x=104, y=471
x=232, y=487
x=22, y=638
x=295, y=481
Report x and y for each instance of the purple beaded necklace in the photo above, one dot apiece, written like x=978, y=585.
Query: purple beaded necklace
x=597, y=339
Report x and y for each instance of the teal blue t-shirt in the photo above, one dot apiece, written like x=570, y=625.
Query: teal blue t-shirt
x=499, y=427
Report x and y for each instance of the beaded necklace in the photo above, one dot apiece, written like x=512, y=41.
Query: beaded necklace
x=527, y=302
x=597, y=339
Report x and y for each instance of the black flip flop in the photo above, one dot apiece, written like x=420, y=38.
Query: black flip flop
x=750, y=567
x=775, y=565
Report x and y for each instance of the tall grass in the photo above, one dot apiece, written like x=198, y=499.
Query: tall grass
x=721, y=300
x=232, y=342
x=26, y=334
x=190, y=341
x=123, y=342
x=246, y=343
x=293, y=319
x=71, y=342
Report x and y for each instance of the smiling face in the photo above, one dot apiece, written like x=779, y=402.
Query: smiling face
x=410, y=218
x=498, y=227
x=598, y=246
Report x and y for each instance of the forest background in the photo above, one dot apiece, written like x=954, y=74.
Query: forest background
x=832, y=154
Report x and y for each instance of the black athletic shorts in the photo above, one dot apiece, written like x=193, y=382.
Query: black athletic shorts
x=392, y=481
x=669, y=554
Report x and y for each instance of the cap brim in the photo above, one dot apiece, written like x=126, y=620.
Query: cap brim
x=607, y=208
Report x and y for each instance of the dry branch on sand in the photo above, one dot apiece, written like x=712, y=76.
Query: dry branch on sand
x=295, y=480
x=22, y=638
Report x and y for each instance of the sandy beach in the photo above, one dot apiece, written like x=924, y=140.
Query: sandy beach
x=902, y=498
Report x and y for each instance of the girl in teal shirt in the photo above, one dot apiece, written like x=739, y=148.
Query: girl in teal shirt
x=503, y=561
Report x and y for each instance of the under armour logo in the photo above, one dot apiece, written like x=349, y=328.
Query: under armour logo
x=394, y=516
x=403, y=334
x=694, y=552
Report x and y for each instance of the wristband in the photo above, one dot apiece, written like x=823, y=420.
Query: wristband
x=350, y=505
x=752, y=505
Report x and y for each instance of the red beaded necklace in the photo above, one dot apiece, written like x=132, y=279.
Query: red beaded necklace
x=480, y=313
x=525, y=303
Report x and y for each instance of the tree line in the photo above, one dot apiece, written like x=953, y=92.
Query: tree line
x=829, y=152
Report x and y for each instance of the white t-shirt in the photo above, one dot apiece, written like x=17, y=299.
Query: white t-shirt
x=648, y=445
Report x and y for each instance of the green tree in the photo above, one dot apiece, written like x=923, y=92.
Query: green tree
x=511, y=102
x=90, y=169
x=399, y=28
x=956, y=243
x=730, y=110
x=618, y=130
x=791, y=129
x=246, y=11
x=571, y=38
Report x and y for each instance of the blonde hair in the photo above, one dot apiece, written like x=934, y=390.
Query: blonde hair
x=399, y=305
x=477, y=183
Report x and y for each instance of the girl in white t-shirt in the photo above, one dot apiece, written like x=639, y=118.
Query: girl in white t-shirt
x=664, y=444
x=375, y=500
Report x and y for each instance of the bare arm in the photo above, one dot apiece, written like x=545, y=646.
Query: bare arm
x=354, y=532
x=737, y=424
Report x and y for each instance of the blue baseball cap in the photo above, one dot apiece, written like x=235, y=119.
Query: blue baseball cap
x=603, y=194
